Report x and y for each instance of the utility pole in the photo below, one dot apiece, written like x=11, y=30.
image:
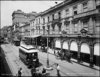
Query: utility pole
x=47, y=50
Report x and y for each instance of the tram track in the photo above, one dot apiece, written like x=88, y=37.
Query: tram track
x=14, y=62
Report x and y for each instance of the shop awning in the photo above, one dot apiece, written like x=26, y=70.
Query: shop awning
x=32, y=36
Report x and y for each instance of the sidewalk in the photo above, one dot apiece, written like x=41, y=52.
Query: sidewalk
x=72, y=69
x=67, y=69
x=74, y=60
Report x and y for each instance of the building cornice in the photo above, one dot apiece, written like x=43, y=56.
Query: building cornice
x=60, y=5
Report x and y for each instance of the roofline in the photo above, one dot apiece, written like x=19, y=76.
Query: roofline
x=55, y=7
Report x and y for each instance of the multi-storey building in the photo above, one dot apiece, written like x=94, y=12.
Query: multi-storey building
x=73, y=26
x=9, y=33
x=25, y=30
x=6, y=32
x=19, y=18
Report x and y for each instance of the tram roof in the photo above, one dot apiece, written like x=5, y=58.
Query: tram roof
x=28, y=50
x=27, y=46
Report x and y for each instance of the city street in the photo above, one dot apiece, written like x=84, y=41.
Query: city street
x=50, y=38
x=66, y=68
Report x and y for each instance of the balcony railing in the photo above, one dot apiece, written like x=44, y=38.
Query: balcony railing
x=96, y=11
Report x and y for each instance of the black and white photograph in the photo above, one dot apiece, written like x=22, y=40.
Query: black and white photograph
x=49, y=38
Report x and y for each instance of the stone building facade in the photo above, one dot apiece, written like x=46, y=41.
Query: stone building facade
x=19, y=19
x=72, y=26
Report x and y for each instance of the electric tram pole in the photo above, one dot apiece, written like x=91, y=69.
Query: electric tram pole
x=47, y=51
x=48, y=66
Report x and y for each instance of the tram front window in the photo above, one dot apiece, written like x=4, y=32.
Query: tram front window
x=34, y=56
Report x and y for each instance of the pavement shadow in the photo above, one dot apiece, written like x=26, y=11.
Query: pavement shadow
x=37, y=65
x=87, y=66
x=69, y=61
x=40, y=64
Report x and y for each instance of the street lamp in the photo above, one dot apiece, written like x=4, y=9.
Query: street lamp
x=47, y=50
x=89, y=37
x=79, y=37
x=48, y=67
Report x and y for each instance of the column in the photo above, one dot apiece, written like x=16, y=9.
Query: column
x=78, y=55
x=53, y=43
x=61, y=43
x=71, y=27
x=62, y=56
x=91, y=25
x=69, y=46
x=91, y=55
x=69, y=53
x=36, y=42
x=79, y=26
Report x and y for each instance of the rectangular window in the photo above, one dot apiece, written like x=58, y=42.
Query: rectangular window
x=39, y=27
x=97, y=26
x=36, y=21
x=33, y=24
x=85, y=25
x=67, y=12
x=76, y=27
x=48, y=18
x=53, y=17
x=75, y=7
x=43, y=20
x=39, y=20
x=75, y=10
x=59, y=15
x=85, y=7
x=43, y=27
x=36, y=27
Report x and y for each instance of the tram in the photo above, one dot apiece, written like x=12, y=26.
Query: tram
x=29, y=55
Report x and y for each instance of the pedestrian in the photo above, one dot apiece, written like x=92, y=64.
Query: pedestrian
x=20, y=72
x=54, y=52
x=58, y=69
x=43, y=71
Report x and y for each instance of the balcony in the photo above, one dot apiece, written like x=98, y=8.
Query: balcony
x=56, y=20
x=92, y=12
x=98, y=3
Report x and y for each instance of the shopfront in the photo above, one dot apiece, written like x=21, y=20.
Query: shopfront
x=65, y=45
x=96, y=56
x=74, y=49
x=65, y=51
x=57, y=45
x=85, y=53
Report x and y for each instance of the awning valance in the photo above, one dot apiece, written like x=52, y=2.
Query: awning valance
x=32, y=36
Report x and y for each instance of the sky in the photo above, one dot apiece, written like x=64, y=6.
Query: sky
x=7, y=8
